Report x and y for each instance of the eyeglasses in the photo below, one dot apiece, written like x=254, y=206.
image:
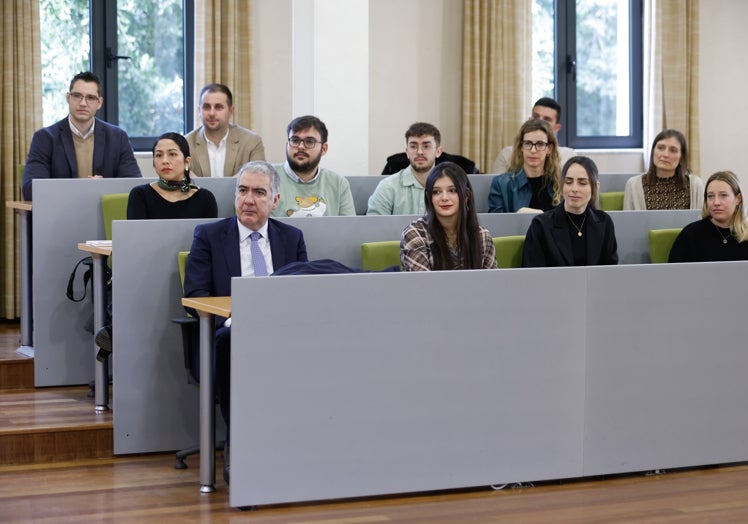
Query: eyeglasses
x=539, y=145
x=425, y=147
x=78, y=97
x=309, y=142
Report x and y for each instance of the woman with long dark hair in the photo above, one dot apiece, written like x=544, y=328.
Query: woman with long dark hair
x=448, y=236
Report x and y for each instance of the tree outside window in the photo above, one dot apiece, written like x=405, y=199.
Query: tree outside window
x=136, y=47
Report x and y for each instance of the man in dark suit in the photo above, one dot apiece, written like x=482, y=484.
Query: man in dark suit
x=81, y=145
x=231, y=248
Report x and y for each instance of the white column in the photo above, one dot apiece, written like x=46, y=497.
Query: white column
x=330, y=77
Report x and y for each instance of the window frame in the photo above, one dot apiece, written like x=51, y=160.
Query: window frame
x=103, y=41
x=565, y=84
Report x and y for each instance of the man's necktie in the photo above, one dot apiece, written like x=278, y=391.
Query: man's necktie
x=258, y=261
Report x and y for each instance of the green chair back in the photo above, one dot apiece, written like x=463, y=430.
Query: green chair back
x=182, y=263
x=509, y=250
x=660, y=243
x=611, y=201
x=376, y=256
x=113, y=207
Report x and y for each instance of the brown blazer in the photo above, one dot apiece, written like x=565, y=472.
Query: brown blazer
x=242, y=145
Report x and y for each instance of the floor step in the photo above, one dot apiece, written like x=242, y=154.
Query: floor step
x=16, y=372
x=16, y=369
x=52, y=425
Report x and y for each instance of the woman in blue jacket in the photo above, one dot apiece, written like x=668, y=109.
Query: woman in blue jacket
x=531, y=185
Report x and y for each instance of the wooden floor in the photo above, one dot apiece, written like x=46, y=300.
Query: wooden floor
x=54, y=489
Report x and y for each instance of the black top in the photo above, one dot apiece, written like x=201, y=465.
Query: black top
x=146, y=203
x=702, y=241
x=541, y=198
x=552, y=241
x=578, y=224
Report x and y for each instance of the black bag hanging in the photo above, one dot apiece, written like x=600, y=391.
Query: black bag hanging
x=87, y=262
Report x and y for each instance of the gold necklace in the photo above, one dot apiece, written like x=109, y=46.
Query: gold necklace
x=578, y=228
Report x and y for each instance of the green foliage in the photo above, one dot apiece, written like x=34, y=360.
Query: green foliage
x=65, y=51
x=597, y=66
x=597, y=56
x=543, y=49
x=150, y=84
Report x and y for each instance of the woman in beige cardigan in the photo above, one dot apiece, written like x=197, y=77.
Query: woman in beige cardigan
x=668, y=184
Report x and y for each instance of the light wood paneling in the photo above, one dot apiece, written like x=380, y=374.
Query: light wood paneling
x=16, y=370
x=49, y=425
x=148, y=489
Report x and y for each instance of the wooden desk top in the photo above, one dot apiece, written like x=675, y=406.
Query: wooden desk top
x=95, y=250
x=220, y=306
x=21, y=205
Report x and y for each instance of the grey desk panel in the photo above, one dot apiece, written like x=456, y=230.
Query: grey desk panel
x=340, y=238
x=223, y=189
x=614, y=181
x=66, y=212
x=363, y=186
x=155, y=409
x=481, y=187
x=412, y=402
x=666, y=365
x=632, y=230
x=387, y=383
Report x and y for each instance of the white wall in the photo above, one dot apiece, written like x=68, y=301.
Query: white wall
x=416, y=68
x=370, y=69
x=722, y=80
x=272, y=108
x=407, y=56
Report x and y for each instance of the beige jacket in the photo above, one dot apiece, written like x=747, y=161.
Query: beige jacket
x=242, y=145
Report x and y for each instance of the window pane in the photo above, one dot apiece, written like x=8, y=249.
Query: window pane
x=151, y=83
x=603, y=92
x=64, y=52
x=543, y=49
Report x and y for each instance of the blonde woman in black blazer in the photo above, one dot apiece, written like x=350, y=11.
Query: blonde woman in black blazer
x=573, y=233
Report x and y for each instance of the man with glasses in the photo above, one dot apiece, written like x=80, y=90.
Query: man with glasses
x=545, y=109
x=307, y=189
x=219, y=147
x=402, y=193
x=80, y=145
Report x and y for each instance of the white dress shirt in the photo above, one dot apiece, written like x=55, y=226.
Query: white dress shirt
x=217, y=155
x=245, y=252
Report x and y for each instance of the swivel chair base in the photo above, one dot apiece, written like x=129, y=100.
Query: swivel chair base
x=194, y=450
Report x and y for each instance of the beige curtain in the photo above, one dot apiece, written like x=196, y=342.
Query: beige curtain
x=21, y=98
x=496, y=75
x=223, y=52
x=671, y=72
